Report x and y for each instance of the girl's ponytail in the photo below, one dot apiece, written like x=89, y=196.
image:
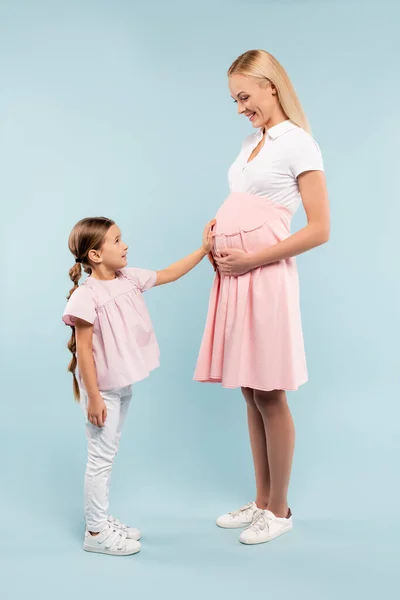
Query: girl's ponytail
x=74, y=274
x=87, y=235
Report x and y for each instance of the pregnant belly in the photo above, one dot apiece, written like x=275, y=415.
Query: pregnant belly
x=250, y=223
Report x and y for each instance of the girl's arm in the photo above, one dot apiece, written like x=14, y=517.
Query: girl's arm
x=97, y=410
x=183, y=266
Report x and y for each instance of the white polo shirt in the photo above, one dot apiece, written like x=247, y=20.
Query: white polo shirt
x=288, y=151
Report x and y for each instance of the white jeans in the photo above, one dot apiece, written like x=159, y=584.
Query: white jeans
x=103, y=445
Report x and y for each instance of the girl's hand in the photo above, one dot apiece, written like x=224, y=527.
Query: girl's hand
x=97, y=411
x=233, y=262
x=208, y=237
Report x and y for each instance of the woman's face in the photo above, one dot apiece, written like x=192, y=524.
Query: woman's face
x=257, y=101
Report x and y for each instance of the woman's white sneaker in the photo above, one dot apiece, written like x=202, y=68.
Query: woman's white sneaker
x=131, y=532
x=239, y=518
x=111, y=541
x=265, y=527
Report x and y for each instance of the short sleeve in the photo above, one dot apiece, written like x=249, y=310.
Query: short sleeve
x=306, y=156
x=142, y=278
x=81, y=305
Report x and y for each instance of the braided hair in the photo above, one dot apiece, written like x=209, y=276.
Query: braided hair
x=87, y=235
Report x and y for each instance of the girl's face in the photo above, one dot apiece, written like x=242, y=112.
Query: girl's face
x=258, y=102
x=113, y=253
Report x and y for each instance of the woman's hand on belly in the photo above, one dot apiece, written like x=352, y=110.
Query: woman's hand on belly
x=233, y=262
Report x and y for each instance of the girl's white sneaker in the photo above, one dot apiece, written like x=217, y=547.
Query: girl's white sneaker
x=111, y=541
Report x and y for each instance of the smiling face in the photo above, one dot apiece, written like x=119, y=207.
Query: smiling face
x=258, y=101
x=112, y=255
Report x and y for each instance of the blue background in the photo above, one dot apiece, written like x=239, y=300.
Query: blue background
x=122, y=109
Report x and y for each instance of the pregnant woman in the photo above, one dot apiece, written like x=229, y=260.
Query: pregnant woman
x=253, y=336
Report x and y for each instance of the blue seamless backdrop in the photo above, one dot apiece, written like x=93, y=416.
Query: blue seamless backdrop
x=122, y=109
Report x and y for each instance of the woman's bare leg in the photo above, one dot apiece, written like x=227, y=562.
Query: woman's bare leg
x=258, y=444
x=280, y=436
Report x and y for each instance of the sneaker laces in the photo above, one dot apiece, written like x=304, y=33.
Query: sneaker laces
x=261, y=521
x=237, y=513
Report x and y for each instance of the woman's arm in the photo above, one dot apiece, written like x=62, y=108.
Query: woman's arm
x=97, y=411
x=183, y=266
x=314, y=194
x=312, y=186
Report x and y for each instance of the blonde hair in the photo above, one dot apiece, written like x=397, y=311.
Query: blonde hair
x=265, y=68
x=87, y=235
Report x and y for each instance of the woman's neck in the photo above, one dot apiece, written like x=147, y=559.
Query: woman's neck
x=275, y=119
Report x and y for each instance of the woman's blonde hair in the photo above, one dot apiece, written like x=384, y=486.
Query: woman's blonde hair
x=87, y=235
x=265, y=68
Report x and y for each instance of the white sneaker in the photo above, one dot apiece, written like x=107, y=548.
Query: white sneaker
x=131, y=532
x=265, y=527
x=239, y=518
x=110, y=541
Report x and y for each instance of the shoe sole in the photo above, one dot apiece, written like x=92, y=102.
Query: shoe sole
x=110, y=552
x=255, y=543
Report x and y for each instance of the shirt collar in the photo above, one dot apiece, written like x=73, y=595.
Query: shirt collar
x=280, y=129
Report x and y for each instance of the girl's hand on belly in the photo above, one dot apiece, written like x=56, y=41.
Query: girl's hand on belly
x=233, y=262
x=208, y=237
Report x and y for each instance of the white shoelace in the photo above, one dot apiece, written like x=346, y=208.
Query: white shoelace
x=237, y=513
x=261, y=521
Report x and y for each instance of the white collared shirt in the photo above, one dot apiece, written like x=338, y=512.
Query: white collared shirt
x=288, y=151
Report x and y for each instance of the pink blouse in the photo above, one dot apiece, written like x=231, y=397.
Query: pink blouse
x=125, y=347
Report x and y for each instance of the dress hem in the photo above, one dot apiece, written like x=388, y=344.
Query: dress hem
x=252, y=386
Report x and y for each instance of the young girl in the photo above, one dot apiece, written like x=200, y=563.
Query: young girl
x=113, y=345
